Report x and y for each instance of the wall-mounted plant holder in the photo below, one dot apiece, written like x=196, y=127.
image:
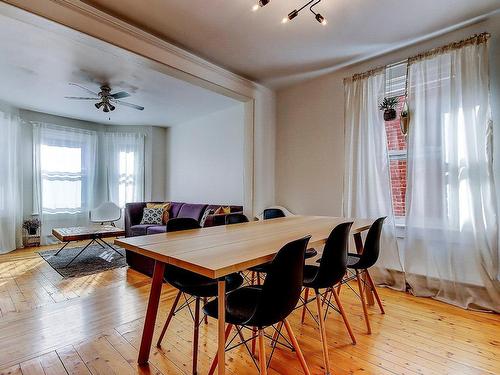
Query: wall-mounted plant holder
x=404, y=121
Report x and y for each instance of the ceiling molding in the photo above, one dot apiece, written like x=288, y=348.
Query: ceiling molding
x=239, y=85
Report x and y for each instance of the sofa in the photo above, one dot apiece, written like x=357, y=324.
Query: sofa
x=133, y=226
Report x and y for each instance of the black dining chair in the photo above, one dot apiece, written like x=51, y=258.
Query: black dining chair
x=236, y=219
x=268, y=214
x=358, y=264
x=266, y=305
x=193, y=286
x=329, y=272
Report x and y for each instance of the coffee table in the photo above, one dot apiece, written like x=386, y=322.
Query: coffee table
x=95, y=233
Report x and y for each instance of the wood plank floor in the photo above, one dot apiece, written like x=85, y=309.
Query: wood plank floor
x=93, y=325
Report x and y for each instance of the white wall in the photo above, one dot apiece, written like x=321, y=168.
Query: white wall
x=206, y=159
x=310, y=128
x=154, y=150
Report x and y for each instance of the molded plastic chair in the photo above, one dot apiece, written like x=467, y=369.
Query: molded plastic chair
x=269, y=304
x=192, y=284
x=236, y=219
x=330, y=271
x=275, y=213
x=107, y=212
x=360, y=264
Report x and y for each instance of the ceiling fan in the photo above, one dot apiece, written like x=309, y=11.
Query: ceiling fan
x=105, y=99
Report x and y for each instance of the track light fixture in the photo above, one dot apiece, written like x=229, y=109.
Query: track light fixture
x=260, y=4
x=294, y=13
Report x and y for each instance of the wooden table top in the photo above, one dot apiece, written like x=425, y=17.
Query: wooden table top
x=87, y=233
x=218, y=251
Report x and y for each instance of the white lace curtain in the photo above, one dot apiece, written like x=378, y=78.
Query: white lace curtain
x=367, y=190
x=451, y=225
x=11, y=186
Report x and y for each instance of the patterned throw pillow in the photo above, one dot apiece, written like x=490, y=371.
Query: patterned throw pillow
x=164, y=206
x=152, y=216
x=204, y=217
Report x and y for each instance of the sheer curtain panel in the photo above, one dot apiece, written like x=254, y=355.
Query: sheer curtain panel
x=452, y=232
x=124, y=163
x=64, y=165
x=11, y=186
x=367, y=189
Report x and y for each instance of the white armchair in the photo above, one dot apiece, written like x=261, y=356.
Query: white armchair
x=107, y=212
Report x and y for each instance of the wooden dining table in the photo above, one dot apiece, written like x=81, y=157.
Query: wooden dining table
x=219, y=251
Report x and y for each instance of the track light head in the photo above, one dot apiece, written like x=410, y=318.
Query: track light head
x=322, y=20
x=294, y=13
x=111, y=107
x=99, y=105
x=263, y=3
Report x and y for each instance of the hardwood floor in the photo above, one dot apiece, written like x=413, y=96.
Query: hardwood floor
x=93, y=325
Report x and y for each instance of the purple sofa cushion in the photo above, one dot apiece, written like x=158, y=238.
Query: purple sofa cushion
x=174, y=208
x=140, y=229
x=194, y=211
x=155, y=229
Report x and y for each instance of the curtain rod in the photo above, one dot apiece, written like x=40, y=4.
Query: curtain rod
x=474, y=39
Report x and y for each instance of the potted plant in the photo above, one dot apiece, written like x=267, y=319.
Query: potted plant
x=31, y=226
x=389, y=105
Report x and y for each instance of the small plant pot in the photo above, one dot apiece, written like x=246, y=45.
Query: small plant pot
x=389, y=114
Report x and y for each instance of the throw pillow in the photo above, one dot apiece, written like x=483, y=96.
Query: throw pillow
x=204, y=217
x=153, y=216
x=223, y=210
x=164, y=206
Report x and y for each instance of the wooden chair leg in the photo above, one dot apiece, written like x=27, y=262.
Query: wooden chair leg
x=216, y=358
x=374, y=290
x=344, y=316
x=363, y=302
x=296, y=346
x=262, y=354
x=196, y=335
x=204, y=303
x=326, y=357
x=306, y=296
x=254, y=333
x=169, y=318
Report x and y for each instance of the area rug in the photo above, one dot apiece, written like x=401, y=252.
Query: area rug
x=93, y=260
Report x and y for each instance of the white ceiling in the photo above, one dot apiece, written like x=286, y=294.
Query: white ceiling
x=36, y=66
x=258, y=46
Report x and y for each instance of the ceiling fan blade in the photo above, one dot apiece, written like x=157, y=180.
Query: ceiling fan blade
x=135, y=106
x=84, y=88
x=81, y=98
x=121, y=94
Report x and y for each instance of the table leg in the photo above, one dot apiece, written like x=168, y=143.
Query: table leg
x=221, y=351
x=368, y=291
x=77, y=255
x=149, y=322
x=62, y=248
x=101, y=241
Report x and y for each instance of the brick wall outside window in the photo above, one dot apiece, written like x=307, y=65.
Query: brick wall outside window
x=396, y=144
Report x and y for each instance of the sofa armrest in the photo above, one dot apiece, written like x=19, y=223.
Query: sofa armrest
x=133, y=216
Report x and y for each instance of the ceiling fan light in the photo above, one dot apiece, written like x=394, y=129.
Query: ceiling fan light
x=294, y=13
x=112, y=107
x=321, y=19
x=98, y=105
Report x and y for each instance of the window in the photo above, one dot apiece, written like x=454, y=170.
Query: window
x=66, y=162
x=396, y=142
x=127, y=177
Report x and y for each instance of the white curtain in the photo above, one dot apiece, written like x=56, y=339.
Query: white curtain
x=367, y=188
x=124, y=164
x=64, y=165
x=452, y=235
x=11, y=186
